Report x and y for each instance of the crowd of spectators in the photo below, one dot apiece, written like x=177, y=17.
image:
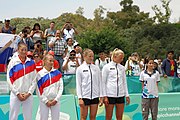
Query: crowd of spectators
x=68, y=52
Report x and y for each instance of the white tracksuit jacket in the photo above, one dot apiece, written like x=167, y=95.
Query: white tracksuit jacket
x=20, y=77
x=50, y=85
x=114, y=80
x=88, y=81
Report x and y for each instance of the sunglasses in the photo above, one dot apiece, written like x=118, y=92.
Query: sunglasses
x=36, y=56
x=72, y=54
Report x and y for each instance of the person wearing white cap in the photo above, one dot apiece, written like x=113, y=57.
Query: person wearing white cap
x=71, y=63
x=6, y=28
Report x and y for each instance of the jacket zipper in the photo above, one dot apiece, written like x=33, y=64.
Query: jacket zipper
x=50, y=78
x=117, y=81
x=91, y=80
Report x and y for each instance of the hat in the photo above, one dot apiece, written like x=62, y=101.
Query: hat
x=51, y=52
x=29, y=53
x=72, y=51
x=7, y=20
x=38, y=41
x=156, y=61
x=76, y=44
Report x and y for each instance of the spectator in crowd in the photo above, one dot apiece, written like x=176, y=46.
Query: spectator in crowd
x=36, y=33
x=59, y=47
x=27, y=40
x=157, y=67
x=88, y=86
x=101, y=61
x=71, y=63
x=6, y=28
x=21, y=85
x=14, y=30
x=49, y=94
x=28, y=29
x=68, y=31
x=38, y=48
x=56, y=63
x=169, y=66
x=38, y=61
x=150, y=79
x=78, y=50
x=70, y=45
x=109, y=56
x=49, y=33
x=178, y=67
x=133, y=65
x=114, y=85
x=30, y=54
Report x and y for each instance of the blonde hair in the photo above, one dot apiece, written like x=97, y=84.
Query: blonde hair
x=86, y=52
x=116, y=52
x=45, y=58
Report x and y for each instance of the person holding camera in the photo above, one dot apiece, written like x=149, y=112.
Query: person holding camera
x=133, y=65
x=59, y=47
x=26, y=39
x=36, y=33
x=68, y=31
x=71, y=63
x=38, y=48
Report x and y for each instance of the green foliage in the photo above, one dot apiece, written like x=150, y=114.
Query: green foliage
x=160, y=16
x=129, y=29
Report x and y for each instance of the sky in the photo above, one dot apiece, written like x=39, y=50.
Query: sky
x=54, y=8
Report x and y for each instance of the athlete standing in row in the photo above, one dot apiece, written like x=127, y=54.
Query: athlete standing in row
x=88, y=86
x=50, y=88
x=20, y=77
x=114, y=86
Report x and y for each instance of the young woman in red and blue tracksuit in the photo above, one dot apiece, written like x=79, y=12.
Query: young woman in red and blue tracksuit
x=20, y=77
x=50, y=88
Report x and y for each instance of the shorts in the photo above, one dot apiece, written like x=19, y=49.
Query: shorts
x=90, y=101
x=116, y=100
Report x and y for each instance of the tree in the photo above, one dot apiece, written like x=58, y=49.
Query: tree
x=80, y=11
x=161, y=17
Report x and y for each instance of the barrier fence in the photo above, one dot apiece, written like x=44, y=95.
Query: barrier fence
x=169, y=107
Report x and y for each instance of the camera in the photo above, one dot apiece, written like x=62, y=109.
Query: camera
x=38, y=45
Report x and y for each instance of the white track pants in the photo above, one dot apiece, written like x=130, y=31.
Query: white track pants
x=44, y=111
x=15, y=105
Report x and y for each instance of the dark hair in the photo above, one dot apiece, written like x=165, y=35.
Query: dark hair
x=52, y=22
x=27, y=27
x=38, y=41
x=36, y=24
x=68, y=39
x=148, y=59
x=171, y=51
x=24, y=30
x=13, y=28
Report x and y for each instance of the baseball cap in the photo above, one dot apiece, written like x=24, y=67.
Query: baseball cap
x=51, y=52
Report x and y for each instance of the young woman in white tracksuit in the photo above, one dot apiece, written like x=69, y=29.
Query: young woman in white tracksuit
x=114, y=85
x=20, y=77
x=50, y=88
x=88, y=86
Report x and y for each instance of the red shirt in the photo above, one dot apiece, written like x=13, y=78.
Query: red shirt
x=172, y=67
x=56, y=64
x=39, y=65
